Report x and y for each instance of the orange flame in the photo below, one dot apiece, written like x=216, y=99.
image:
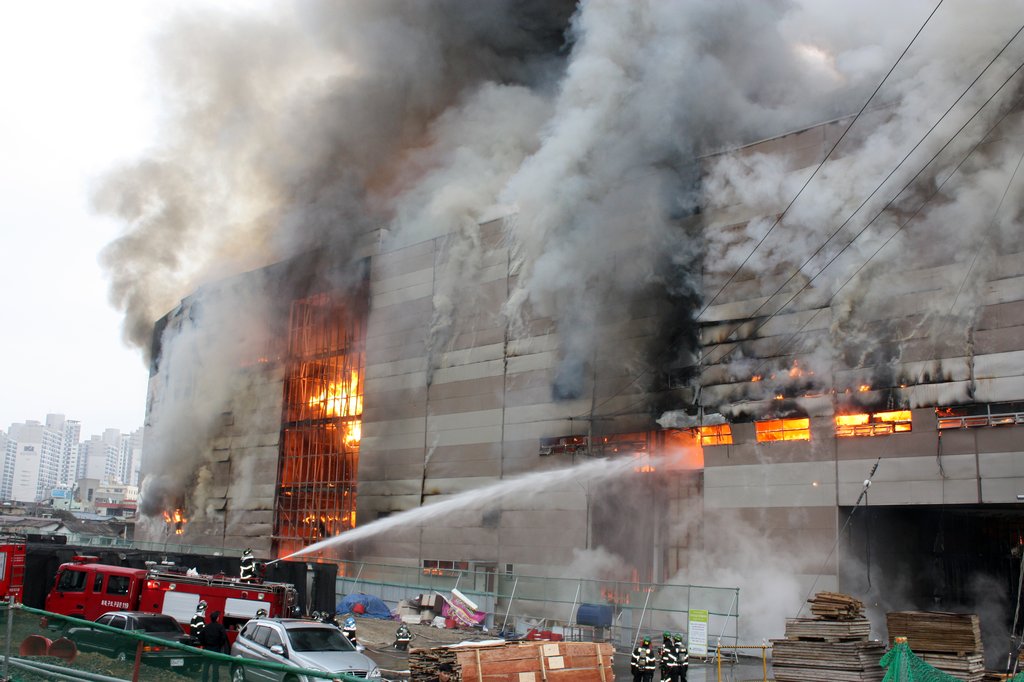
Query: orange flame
x=178, y=519
x=864, y=388
x=341, y=399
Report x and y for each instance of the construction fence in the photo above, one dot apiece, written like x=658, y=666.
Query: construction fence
x=576, y=609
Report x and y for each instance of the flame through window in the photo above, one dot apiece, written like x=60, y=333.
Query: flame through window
x=323, y=408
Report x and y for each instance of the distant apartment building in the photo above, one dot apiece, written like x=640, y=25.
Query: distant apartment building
x=98, y=456
x=129, y=458
x=36, y=459
x=69, y=451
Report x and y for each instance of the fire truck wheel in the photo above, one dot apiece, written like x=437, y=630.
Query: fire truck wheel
x=238, y=674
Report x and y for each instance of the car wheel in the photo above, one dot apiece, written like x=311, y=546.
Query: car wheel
x=238, y=674
x=121, y=656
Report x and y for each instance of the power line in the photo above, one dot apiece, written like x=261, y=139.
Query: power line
x=931, y=196
x=821, y=164
x=647, y=370
x=886, y=206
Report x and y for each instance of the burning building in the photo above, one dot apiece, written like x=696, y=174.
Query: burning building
x=805, y=349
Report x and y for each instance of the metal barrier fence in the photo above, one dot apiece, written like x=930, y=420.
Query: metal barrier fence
x=39, y=645
x=517, y=603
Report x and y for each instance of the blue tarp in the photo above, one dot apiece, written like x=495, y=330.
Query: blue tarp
x=374, y=606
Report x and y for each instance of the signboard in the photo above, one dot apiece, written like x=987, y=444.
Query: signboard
x=697, y=633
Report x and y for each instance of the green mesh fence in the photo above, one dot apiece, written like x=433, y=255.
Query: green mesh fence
x=39, y=646
x=902, y=665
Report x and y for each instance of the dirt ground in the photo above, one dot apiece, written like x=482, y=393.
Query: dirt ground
x=378, y=636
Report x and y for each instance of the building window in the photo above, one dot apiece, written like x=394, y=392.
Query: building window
x=873, y=424
x=974, y=416
x=321, y=429
x=441, y=567
x=772, y=430
x=718, y=434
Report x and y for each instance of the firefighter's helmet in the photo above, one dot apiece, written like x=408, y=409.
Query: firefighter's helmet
x=666, y=635
x=201, y=606
x=247, y=552
x=678, y=638
x=647, y=641
x=261, y=613
x=350, y=623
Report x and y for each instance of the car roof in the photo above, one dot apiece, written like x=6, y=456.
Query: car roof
x=292, y=623
x=137, y=614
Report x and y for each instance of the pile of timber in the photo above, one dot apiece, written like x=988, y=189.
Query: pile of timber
x=950, y=642
x=809, y=661
x=836, y=606
x=831, y=647
x=514, y=662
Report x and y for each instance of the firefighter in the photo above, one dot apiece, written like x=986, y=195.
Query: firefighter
x=198, y=621
x=248, y=571
x=669, y=658
x=642, y=663
x=261, y=613
x=349, y=628
x=403, y=635
x=683, y=657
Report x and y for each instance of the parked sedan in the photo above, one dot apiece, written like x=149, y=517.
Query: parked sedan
x=301, y=643
x=123, y=647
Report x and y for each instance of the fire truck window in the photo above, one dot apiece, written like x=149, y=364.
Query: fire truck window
x=117, y=584
x=72, y=581
x=97, y=583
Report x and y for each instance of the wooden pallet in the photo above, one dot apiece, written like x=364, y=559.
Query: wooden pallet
x=516, y=662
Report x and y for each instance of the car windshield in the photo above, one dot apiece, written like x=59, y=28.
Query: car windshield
x=159, y=624
x=319, y=639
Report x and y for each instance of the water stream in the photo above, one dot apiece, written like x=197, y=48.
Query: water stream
x=519, y=488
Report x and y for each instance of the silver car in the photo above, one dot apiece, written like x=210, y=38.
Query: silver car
x=300, y=643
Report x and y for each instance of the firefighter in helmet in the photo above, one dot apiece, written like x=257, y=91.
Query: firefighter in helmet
x=348, y=627
x=683, y=656
x=248, y=572
x=403, y=635
x=198, y=621
x=642, y=663
x=669, y=658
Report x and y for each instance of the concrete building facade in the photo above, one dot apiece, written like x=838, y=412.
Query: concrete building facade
x=843, y=429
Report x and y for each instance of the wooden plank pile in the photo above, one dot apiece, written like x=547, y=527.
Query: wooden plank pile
x=515, y=662
x=836, y=606
x=831, y=647
x=950, y=642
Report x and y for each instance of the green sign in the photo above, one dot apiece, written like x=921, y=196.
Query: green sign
x=697, y=633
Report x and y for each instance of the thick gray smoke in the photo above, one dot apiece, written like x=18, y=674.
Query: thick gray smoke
x=597, y=126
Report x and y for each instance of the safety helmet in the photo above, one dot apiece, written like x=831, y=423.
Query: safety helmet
x=350, y=622
x=247, y=551
x=678, y=638
x=202, y=605
x=667, y=635
x=647, y=640
x=261, y=613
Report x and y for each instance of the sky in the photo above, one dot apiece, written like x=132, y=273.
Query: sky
x=76, y=98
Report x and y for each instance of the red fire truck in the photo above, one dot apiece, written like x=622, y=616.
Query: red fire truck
x=86, y=589
x=12, y=567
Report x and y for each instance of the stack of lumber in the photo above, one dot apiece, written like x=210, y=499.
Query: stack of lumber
x=936, y=632
x=836, y=606
x=967, y=667
x=832, y=647
x=515, y=662
x=950, y=642
x=819, y=629
x=827, y=661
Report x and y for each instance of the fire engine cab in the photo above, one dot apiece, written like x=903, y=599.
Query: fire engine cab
x=85, y=589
